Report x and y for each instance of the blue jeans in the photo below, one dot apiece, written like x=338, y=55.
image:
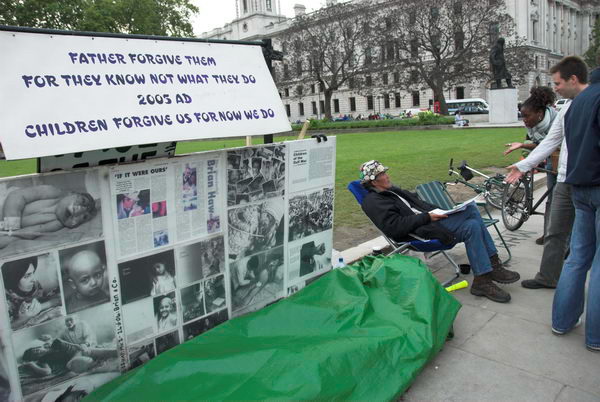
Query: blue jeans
x=469, y=228
x=585, y=254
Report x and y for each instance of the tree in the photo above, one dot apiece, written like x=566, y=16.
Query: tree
x=149, y=17
x=330, y=47
x=442, y=43
x=592, y=56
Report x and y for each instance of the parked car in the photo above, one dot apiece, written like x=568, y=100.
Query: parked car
x=472, y=110
x=560, y=103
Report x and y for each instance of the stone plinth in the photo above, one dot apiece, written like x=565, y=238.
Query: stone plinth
x=503, y=105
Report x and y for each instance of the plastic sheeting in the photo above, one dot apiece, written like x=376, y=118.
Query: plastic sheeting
x=361, y=332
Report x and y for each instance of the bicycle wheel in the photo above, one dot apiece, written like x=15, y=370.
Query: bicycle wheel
x=514, y=204
x=495, y=190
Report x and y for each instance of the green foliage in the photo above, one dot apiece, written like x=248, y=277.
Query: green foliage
x=426, y=120
x=148, y=17
x=592, y=56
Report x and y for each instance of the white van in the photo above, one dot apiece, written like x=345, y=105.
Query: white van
x=560, y=103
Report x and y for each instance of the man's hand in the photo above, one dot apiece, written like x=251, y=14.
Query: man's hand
x=514, y=175
x=436, y=217
x=512, y=146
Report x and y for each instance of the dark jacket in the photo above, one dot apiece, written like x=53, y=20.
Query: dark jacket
x=582, y=133
x=397, y=221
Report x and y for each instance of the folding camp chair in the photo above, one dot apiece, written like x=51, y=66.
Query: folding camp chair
x=418, y=244
x=436, y=193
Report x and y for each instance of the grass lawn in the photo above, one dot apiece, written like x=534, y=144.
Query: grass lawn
x=413, y=157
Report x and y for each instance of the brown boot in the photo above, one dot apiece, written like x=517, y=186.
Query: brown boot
x=501, y=274
x=484, y=286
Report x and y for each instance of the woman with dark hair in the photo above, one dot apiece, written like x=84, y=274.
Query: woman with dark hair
x=24, y=294
x=538, y=116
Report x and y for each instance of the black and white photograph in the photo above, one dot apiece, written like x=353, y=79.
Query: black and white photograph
x=47, y=211
x=32, y=290
x=201, y=260
x=4, y=378
x=74, y=389
x=161, y=238
x=139, y=320
x=136, y=203
x=255, y=174
x=141, y=353
x=167, y=341
x=257, y=279
x=84, y=276
x=81, y=344
x=189, y=185
x=193, y=302
x=309, y=256
x=214, y=293
x=310, y=213
x=202, y=325
x=255, y=228
x=165, y=312
x=147, y=276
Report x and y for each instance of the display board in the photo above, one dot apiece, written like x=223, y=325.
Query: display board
x=104, y=268
x=68, y=93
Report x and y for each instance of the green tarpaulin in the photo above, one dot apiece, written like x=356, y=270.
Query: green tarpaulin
x=360, y=332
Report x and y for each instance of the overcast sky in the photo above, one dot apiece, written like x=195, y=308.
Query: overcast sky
x=216, y=13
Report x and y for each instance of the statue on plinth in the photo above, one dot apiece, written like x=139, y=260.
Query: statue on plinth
x=498, y=64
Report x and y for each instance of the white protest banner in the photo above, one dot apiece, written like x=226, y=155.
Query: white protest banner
x=66, y=93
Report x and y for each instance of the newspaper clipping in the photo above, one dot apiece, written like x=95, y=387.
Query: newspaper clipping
x=45, y=212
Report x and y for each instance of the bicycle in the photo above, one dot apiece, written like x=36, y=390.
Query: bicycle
x=517, y=201
x=492, y=187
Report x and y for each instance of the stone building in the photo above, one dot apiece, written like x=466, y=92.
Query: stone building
x=552, y=28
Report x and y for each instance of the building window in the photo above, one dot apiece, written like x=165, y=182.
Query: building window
x=397, y=99
x=298, y=68
x=386, y=101
x=286, y=72
x=414, y=48
x=396, y=77
x=299, y=90
x=301, y=109
x=368, y=57
x=460, y=92
x=322, y=106
x=352, y=104
x=384, y=78
x=269, y=4
x=416, y=98
x=351, y=83
x=414, y=76
x=537, y=60
x=287, y=92
x=368, y=80
x=288, y=111
x=370, y=102
x=336, y=105
x=321, y=87
x=459, y=40
x=314, y=108
x=245, y=5
x=312, y=89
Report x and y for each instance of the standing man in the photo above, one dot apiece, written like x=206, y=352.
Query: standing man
x=570, y=78
x=582, y=132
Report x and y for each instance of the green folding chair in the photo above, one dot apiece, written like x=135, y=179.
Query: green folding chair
x=436, y=193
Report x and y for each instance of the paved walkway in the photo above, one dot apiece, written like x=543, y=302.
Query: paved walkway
x=506, y=352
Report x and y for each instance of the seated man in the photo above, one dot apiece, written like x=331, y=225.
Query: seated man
x=397, y=213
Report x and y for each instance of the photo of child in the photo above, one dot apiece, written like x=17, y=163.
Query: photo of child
x=84, y=276
x=32, y=290
x=189, y=188
x=133, y=204
x=46, y=211
x=147, y=276
x=165, y=312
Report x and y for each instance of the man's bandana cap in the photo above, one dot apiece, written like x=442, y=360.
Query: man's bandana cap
x=369, y=170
